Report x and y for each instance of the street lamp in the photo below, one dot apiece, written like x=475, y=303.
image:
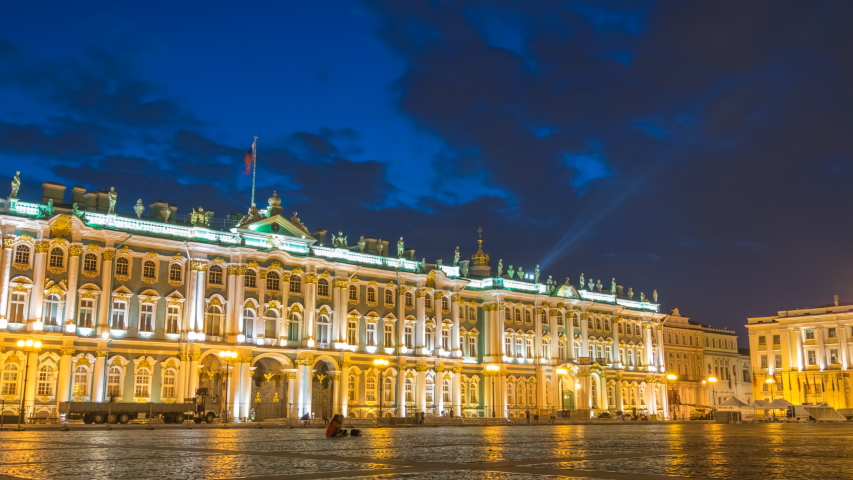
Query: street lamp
x=670, y=378
x=227, y=356
x=712, y=381
x=494, y=369
x=29, y=346
x=562, y=372
x=771, y=382
x=380, y=362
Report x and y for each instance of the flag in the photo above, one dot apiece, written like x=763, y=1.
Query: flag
x=249, y=159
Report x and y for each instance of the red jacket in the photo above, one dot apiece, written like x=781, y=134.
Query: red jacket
x=330, y=430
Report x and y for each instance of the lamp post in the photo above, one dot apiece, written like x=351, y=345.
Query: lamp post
x=493, y=371
x=712, y=381
x=562, y=373
x=227, y=356
x=28, y=346
x=380, y=362
x=771, y=382
x=670, y=378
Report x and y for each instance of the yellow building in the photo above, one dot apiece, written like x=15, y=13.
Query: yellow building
x=803, y=355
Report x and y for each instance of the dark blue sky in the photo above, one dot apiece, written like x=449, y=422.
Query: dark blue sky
x=702, y=149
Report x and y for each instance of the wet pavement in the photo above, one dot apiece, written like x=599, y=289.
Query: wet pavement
x=629, y=451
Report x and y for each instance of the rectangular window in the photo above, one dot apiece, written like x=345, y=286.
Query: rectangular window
x=763, y=361
x=778, y=361
x=169, y=386
x=16, y=308
x=389, y=336
x=146, y=317
x=371, y=295
x=114, y=383
x=762, y=340
x=833, y=356
x=812, y=357
x=87, y=310
x=371, y=334
x=409, y=337
x=172, y=319
x=776, y=340
x=809, y=334
x=117, y=320
x=352, y=330
x=389, y=297
x=445, y=339
x=830, y=332
x=472, y=346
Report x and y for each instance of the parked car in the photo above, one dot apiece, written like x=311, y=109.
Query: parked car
x=700, y=414
x=604, y=415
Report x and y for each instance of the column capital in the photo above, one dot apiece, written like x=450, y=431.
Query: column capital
x=67, y=351
x=109, y=255
x=42, y=247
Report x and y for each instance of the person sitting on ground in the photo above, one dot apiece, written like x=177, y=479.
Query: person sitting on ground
x=334, y=429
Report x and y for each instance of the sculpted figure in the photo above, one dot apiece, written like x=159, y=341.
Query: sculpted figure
x=536, y=274
x=361, y=243
x=591, y=285
x=380, y=246
x=112, y=196
x=166, y=212
x=456, y=257
x=643, y=297
x=253, y=216
x=438, y=264
x=501, y=267
x=630, y=293
x=520, y=273
x=139, y=208
x=16, y=185
x=598, y=285
x=613, y=286
x=510, y=271
x=400, y=248
x=581, y=282
x=464, y=269
x=655, y=296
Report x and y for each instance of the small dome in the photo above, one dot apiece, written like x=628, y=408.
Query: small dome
x=274, y=201
x=480, y=258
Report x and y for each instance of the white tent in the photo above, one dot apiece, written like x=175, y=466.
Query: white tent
x=778, y=404
x=759, y=404
x=733, y=403
x=824, y=413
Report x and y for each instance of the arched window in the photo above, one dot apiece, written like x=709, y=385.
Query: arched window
x=87, y=312
x=295, y=284
x=273, y=281
x=529, y=341
x=270, y=323
x=22, y=254
x=445, y=339
x=52, y=310
x=176, y=272
x=531, y=394
x=214, y=276
x=168, y=383
x=463, y=391
x=472, y=314
x=508, y=345
x=528, y=317
x=351, y=392
x=598, y=324
x=293, y=327
x=474, y=393
x=46, y=381
x=353, y=293
x=546, y=348
x=324, y=331
x=371, y=332
x=323, y=287
x=410, y=300
x=370, y=389
x=389, y=296
x=428, y=302
x=352, y=331
x=371, y=294
x=81, y=382
x=507, y=315
x=430, y=390
x=510, y=393
x=149, y=269
x=576, y=322
x=445, y=392
x=410, y=390
x=430, y=337
x=146, y=317
x=561, y=318
x=122, y=266
x=57, y=258
x=173, y=316
x=472, y=346
x=248, y=322
x=250, y=280
x=388, y=390
x=562, y=347
x=589, y=322
x=10, y=380
x=114, y=383
x=118, y=319
x=90, y=263
x=521, y=393
x=519, y=345
x=142, y=383
x=213, y=321
x=517, y=315
x=388, y=340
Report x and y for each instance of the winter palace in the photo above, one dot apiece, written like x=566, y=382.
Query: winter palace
x=136, y=307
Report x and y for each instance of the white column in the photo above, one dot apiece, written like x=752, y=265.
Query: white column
x=32, y=378
x=420, y=388
x=188, y=312
x=798, y=336
x=457, y=392
x=822, y=352
x=292, y=394
x=310, y=281
x=37, y=293
x=454, y=333
x=239, y=302
x=98, y=390
x=551, y=318
x=647, y=344
x=74, y=253
x=181, y=386
x=339, y=294
x=231, y=327
x=661, y=359
x=7, y=268
x=420, y=326
x=193, y=375
x=246, y=387
x=106, y=291
x=340, y=384
x=842, y=344
x=615, y=350
x=401, y=391
x=585, y=336
x=63, y=382
x=303, y=381
x=198, y=296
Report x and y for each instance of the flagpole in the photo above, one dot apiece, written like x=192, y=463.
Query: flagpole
x=254, y=168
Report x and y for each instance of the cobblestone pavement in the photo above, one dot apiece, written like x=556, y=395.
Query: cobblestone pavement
x=629, y=451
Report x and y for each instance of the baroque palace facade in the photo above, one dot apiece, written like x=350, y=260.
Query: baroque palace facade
x=804, y=355
x=137, y=308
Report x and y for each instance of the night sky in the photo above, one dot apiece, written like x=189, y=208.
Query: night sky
x=702, y=149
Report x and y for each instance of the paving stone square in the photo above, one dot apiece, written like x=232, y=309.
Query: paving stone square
x=614, y=451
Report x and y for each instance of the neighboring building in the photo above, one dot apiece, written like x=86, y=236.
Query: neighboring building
x=707, y=363
x=805, y=355
x=137, y=308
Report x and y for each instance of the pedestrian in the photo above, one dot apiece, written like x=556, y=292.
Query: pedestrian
x=325, y=419
x=334, y=428
x=527, y=414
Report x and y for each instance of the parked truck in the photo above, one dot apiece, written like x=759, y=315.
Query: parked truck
x=202, y=407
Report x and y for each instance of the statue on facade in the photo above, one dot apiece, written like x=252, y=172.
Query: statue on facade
x=166, y=212
x=581, y=283
x=253, y=216
x=536, y=274
x=295, y=220
x=46, y=210
x=520, y=273
x=464, y=269
x=438, y=264
x=361, y=243
x=75, y=210
x=643, y=297
x=456, y=257
x=613, y=286
x=16, y=185
x=112, y=196
x=598, y=285
x=200, y=218
x=380, y=246
x=510, y=271
x=400, y=248
x=340, y=241
x=655, y=296
x=590, y=284
x=422, y=265
x=630, y=293
x=139, y=208
x=501, y=267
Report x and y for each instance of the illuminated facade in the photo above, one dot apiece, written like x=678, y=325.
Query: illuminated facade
x=138, y=307
x=707, y=364
x=803, y=355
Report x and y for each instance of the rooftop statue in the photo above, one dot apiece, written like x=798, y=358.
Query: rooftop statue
x=400, y=248
x=655, y=296
x=520, y=273
x=380, y=246
x=598, y=285
x=581, y=282
x=630, y=293
x=464, y=269
x=340, y=241
x=166, y=212
x=536, y=274
x=361, y=243
x=510, y=271
x=200, y=218
x=253, y=216
x=112, y=197
x=438, y=264
x=75, y=210
x=139, y=208
x=591, y=285
x=46, y=210
x=16, y=185
x=643, y=297
x=501, y=267
x=295, y=220
x=456, y=257
x=613, y=286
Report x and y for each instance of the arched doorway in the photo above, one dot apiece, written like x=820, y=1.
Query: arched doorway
x=321, y=391
x=269, y=390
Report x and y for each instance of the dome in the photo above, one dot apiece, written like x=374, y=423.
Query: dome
x=480, y=258
x=274, y=201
